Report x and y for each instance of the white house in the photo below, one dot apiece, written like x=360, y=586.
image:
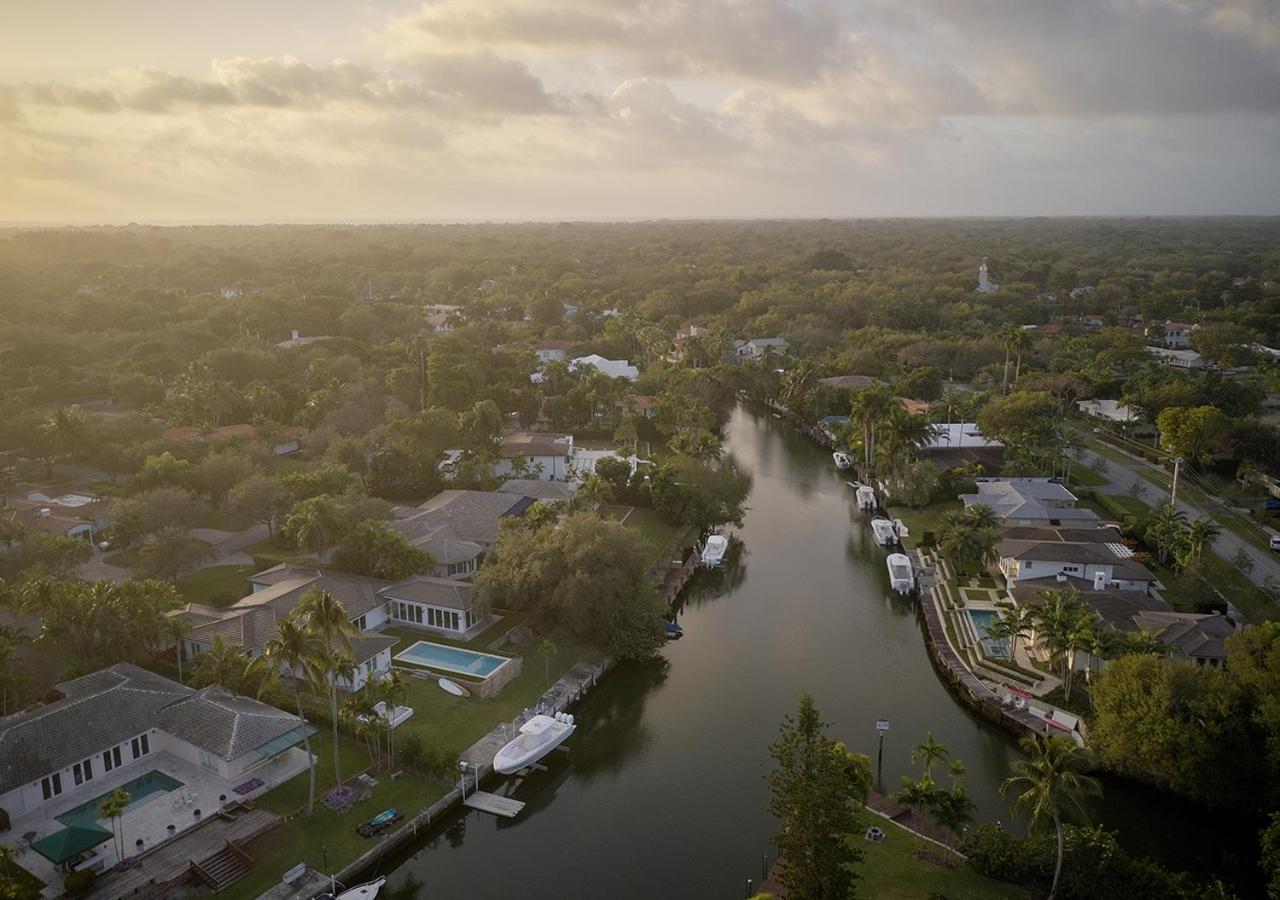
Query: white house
x=759, y=348
x=1179, y=359
x=1105, y=566
x=450, y=607
x=1177, y=335
x=116, y=723
x=1111, y=410
x=546, y=454
x=550, y=351
x=297, y=340
x=614, y=368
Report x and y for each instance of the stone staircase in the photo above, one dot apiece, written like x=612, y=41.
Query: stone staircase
x=223, y=868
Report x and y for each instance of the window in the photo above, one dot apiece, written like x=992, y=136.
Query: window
x=110, y=759
x=360, y=623
x=1071, y=568
x=83, y=772
x=51, y=786
x=140, y=747
x=462, y=568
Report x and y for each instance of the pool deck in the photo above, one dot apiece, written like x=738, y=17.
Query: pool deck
x=149, y=819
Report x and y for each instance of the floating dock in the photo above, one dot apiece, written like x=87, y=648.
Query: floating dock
x=494, y=804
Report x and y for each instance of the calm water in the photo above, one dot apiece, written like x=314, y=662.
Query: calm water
x=663, y=794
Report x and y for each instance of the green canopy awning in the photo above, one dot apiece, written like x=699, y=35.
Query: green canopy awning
x=278, y=745
x=70, y=842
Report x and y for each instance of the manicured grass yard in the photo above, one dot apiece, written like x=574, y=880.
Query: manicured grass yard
x=216, y=585
x=1083, y=476
x=656, y=533
x=268, y=553
x=16, y=873
x=928, y=518
x=892, y=871
x=327, y=836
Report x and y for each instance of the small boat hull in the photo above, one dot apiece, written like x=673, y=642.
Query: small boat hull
x=842, y=460
x=901, y=576
x=363, y=891
x=885, y=531
x=866, y=497
x=714, y=550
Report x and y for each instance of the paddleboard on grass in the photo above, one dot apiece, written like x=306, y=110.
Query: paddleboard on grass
x=453, y=688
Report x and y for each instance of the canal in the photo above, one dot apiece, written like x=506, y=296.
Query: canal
x=663, y=793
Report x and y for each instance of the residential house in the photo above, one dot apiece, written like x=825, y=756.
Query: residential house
x=1030, y=501
x=451, y=607
x=641, y=404
x=1093, y=322
x=458, y=527
x=849, y=382
x=551, y=351
x=1104, y=565
x=72, y=513
x=1049, y=329
x=1179, y=359
x=614, y=368
x=546, y=454
x=759, y=348
x=1111, y=410
x=296, y=340
x=124, y=722
x=541, y=491
x=288, y=440
x=1195, y=637
x=1177, y=335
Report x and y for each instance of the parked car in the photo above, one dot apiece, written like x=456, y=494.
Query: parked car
x=1271, y=503
x=1275, y=542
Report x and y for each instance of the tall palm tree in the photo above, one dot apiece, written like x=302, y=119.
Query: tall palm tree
x=929, y=753
x=327, y=621
x=295, y=647
x=222, y=664
x=1050, y=786
x=1201, y=533
x=112, y=808
x=391, y=690
x=869, y=408
x=917, y=796
x=1165, y=529
x=1021, y=343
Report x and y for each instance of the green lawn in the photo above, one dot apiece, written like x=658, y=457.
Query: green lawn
x=127, y=559
x=891, y=870
x=216, y=585
x=927, y=518
x=656, y=533
x=458, y=722
x=1083, y=476
x=20, y=877
x=327, y=837
x=268, y=553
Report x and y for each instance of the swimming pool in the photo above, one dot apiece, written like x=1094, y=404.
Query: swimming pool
x=452, y=659
x=982, y=619
x=154, y=782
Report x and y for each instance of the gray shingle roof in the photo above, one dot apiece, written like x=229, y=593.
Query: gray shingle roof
x=433, y=592
x=471, y=515
x=538, y=489
x=223, y=723
x=112, y=705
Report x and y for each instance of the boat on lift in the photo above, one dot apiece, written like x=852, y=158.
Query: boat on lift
x=538, y=737
x=713, y=550
x=866, y=496
x=901, y=577
x=842, y=460
x=360, y=892
x=884, y=531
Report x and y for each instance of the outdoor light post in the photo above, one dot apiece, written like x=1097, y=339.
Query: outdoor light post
x=882, y=728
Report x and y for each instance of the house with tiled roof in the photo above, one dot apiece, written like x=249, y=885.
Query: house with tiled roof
x=458, y=527
x=1029, y=501
x=125, y=725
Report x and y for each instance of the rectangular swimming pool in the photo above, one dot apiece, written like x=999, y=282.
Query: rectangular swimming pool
x=154, y=782
x=982, y=619
x=452, y=659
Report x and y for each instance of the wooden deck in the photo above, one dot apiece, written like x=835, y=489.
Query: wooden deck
x=170, y=862
x=495, y=804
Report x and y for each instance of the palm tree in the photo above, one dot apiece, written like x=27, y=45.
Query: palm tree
x=1017, y=622
x=1021, y=343
x=798, y=385
x=327, y=621
x=965, y=543
x=315, y=523
x=929, y=752
x=1052, y=785
x=982, y=516
x=592, y=493
x=1165, y=529
x=869, y=408
x=359, y=708
x=222, y=664
x=547, y=649
x=917, y=796
x=178, y=629
x=953, y=810
x=1012, y=338
x=295, y=647
x=112, y=807
x=391, y=690
x=1201, y=533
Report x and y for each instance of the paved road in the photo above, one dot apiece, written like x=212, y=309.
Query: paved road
x=1120, y=477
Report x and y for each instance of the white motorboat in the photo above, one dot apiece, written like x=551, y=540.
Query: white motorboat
x=866, y=497
x=714, y=549
x=538, y=737
x=361, y=891
x=885, y=531
x=901, y=577
x=900, y=528
x=842, y=460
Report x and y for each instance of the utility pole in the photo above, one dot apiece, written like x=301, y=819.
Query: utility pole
x=1173, y=493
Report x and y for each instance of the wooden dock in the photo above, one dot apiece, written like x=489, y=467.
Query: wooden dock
x=494, y=804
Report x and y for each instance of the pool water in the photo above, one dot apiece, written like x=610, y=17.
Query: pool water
x=154, y=782
x=981, y=618
x=452, y=659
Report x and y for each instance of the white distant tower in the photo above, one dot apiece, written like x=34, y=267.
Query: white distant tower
x=985, y=284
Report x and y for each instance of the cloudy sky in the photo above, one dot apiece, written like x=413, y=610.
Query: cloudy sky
x=304, y=110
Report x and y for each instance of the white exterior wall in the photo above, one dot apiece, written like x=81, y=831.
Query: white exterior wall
x=550, y=355
x=554, y=468
x=30, y=797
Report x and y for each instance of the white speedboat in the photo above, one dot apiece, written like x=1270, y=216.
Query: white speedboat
x=538, y=737
x=714, y=549
x=359, y=892
x=866, y=497
x=842, y=460
x=885, y=531
x=901, y=578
